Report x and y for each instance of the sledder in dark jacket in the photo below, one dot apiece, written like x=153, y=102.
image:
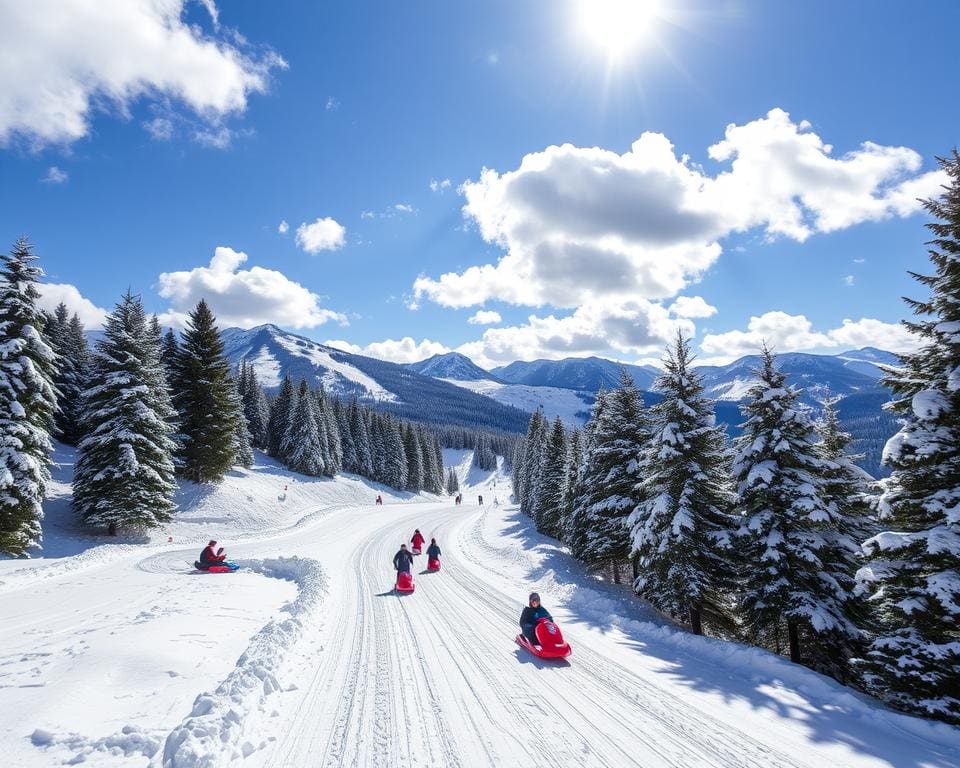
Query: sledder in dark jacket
x=403, y=560
x=531, y=615
x=433, y=551
x=208, y=557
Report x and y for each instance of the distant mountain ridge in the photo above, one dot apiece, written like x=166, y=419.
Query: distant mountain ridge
x=586, y=374
x=274, y=353
x=452, y=365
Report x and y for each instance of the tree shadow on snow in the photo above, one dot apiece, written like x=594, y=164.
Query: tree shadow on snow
x=827, y=711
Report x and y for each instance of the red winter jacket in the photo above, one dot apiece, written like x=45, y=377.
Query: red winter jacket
x=209, y=557
x=417, y=540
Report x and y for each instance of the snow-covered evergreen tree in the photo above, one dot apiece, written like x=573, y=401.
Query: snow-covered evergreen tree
x=914, y=566
x=682, y=528
x=168, y=352
x=242, y=448
x=453, y=483
x=576, y=534
x=123, y=477
x=432, y=474
x=414, y=456
x=333, y=456
x=255, y=407
x=786, y=518
x=70, y=343
x=548, y=506
x=610, y=477
x=395, y=460
x=28, y=401
x=361, y=441
x=536, y=444
x=349, y=452
x=517, y=469
x=572, y=472
x=280, y=411
x=301, y=447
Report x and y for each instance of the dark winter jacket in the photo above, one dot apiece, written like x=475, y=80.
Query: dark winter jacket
x=531, y=616
x=417, y=540
x=433, y=551
x=208, y=557
x=403, y=560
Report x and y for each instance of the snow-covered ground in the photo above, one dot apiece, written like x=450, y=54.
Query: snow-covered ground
x=569, y=404
x=119, y=655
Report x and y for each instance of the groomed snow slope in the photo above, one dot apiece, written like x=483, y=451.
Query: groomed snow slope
x=570, y=405
x=349, y=673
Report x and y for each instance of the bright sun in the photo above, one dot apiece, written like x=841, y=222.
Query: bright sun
x=618, y=26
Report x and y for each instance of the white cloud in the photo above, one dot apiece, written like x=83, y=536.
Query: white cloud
x=795, y=333
x=331, y=104
x=160, y=128
x=586, y=224
x=55, y=176
x=859, y=261
x=283, y=227
x=404, y=208
x=242, y=297
x=52, y=294
x=109, y=54
x=484, y=317
x=322, y=235
x=367, y=215
x=692, y=307
x=848, y=280
x=405, y=350
x=630, y=328
x=439, y=186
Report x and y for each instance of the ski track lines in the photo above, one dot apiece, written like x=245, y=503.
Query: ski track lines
x=434, y=678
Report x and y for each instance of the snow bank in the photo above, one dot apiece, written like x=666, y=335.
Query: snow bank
x=130, y=742
x=221, y=726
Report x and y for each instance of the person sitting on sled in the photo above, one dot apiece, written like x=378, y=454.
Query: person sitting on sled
x=531, y=615
x=403, y=560
x=417, y=539
x=208, y=557
x=433, y=551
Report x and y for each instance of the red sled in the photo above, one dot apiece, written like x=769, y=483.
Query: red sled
x=416, y=550
x=404, y=582
x=225, y=567
x=552, y=645
x=433, y=564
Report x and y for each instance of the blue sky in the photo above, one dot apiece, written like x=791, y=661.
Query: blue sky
x=146, y=143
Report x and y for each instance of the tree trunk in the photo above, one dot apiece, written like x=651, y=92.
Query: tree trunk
x=794, y=633
x=615, y=566
x=695, y=626
x=112, y=529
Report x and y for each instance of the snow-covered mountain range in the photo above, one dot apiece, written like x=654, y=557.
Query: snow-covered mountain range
x=452, y=365
x=274, y=353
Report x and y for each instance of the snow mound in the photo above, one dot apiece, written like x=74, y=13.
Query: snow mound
x=131, y=741
x=222, y=722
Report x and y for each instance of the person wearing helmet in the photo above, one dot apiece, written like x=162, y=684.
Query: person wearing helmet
x=417, y=539
x=403, y=560
x=210, y=557
x=531, y=615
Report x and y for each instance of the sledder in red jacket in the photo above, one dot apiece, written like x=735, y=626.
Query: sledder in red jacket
x=208, y=557
x=417, y=539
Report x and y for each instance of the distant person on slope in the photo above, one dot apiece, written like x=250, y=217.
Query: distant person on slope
x=417, y=539
x=403, y=560
x=208, y=557
x=531, y=615
x=433, y=551
x=480, y=500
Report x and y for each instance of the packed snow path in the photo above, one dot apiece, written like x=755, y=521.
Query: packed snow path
x=429, y=679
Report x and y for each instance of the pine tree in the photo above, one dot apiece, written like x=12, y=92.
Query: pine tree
x=682, y=528
x=548, y=507
x=786, y=520
x=279, y=421
x=577, y=532
x=333, y=456
x=28, y=402
x=432, y=474
x=414, y=456
x=453, y=483
x=516, y=474
x=914, y=564
x=847, y=492
x=301, y=447
x=202, y=395
x=68, y=340
x=242, y=448
x=572, y=483
x=395, y=460
x=378, y=448
x=349, y=461
x=533, y=462
x=438, y=456
x=123, y=477
x=168, y=352
x=610, y=477
x=361, y=441
x=255, y=407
